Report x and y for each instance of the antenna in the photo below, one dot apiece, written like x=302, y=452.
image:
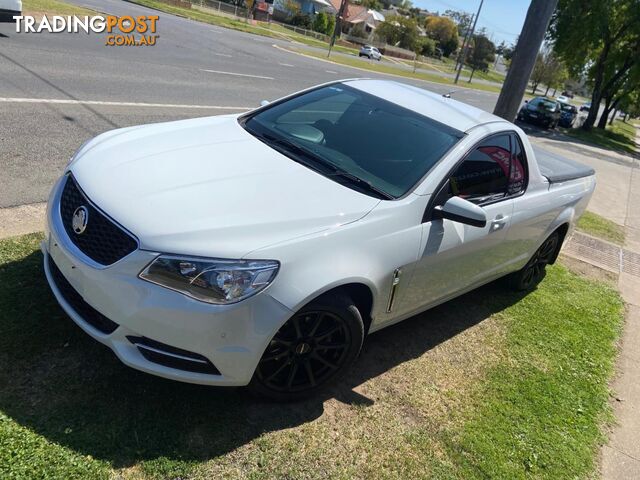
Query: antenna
x=448, y=94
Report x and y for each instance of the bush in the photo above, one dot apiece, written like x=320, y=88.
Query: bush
x=427, y=47
x=321, y=23
x=358, y=31
x=331, y=24
x=301, y=20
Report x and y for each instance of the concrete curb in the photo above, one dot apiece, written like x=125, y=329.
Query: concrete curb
x=22, y=219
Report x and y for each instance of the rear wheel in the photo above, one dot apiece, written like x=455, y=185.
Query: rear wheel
x=311, y=349
x=535, y=269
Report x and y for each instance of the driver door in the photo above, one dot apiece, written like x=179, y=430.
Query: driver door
x=455, y=256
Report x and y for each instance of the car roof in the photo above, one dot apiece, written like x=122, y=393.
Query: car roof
x=449, y=111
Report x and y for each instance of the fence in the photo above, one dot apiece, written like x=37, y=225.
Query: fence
x=346, y=40
x=221, y=7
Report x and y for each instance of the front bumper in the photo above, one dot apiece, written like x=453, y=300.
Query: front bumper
x=231, y=337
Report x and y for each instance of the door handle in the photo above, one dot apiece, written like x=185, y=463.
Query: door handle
x=499, y=222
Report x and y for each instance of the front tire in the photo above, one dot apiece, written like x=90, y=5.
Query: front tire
x=535, y=269
x=312, y=349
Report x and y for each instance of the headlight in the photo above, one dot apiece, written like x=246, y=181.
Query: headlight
x=211, y=280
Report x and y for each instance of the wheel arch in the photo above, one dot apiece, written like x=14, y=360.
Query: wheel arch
x=360, y=292
x=562, y=230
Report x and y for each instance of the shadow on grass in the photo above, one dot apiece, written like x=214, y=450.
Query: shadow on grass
x=63, y=385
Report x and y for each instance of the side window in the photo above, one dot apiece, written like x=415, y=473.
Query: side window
x=484, y=175
x=518, y=175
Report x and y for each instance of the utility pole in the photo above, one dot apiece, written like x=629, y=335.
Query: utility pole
x=338, y=26
x=524, y=58
x=464, y=43
x=466, y=47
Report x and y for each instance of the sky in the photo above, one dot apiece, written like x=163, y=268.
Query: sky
x=502, y=18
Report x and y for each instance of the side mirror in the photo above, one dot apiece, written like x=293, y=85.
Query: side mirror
x=460, y=210
x=526, y=101
x=264, y=103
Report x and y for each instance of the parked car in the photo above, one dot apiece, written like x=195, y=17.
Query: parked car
x=370, y=52
x=585, y=107
x=259, y=249
x=568, y=114
x=567, y=93
x=9, y=8
x=562, y=99
x=542, y=111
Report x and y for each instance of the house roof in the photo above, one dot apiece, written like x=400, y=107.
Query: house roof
x=358, y=13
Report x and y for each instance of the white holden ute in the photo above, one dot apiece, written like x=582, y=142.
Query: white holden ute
x=260, y=249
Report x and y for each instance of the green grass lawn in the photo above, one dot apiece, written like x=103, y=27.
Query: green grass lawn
x=601, y=227
x=491, y=385
x=54, y=7
x=620, y=136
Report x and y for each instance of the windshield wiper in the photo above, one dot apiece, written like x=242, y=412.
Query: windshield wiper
x=291, y=148
x=333, y=170
x=361, y=183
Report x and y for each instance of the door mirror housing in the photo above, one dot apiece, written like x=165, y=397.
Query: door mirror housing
x=526, y=101
x=460, y=210
x=264, y=103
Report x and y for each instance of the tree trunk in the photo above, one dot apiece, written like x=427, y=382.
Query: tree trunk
x=615, y=112
x=596, y=96
x=554, y=92
x=602, y=122
x=547, y=91
x=472, y=72
x=534, y=88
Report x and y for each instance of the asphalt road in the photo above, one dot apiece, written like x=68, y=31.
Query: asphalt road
x=194, y=70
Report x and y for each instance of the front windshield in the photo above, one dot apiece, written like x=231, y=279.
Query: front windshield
x=355, y=138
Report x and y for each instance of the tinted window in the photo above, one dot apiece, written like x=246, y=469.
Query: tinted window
x=543, y=104
x=379, y=142
x=484, y=174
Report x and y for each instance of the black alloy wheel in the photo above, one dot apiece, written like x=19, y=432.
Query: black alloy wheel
x=535, y=269
x=311, y=348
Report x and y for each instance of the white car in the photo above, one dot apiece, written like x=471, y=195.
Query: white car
x=9, y=8
x=370, y=52
x=562, y=99
x=260, y=249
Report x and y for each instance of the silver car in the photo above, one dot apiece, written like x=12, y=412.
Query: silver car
x=370, y=52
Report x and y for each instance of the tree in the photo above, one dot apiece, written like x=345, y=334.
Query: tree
x=444, y=31
x=323, y=23
x=604, y=44
x=371, y=4
x=426, y=47
x=399, y=31
x=462, y=19
x=301, y=20
x=629, y=86
x=549, y=70
x=481, y=54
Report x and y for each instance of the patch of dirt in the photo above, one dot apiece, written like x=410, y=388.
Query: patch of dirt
x=589, y=271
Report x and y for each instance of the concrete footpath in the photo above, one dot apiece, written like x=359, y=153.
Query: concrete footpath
x=620, y=458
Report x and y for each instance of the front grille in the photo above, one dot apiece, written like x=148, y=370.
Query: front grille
x=75, y=300
x=173, y=357
x=102, y=240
